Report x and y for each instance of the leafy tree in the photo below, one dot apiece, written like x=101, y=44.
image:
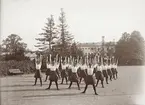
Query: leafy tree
x=48, y=37
x=65, y=38
x=14, y=47
x=75, y=51
x=130, y=48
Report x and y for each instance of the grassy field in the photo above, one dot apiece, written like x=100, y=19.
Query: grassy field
x=126, y=90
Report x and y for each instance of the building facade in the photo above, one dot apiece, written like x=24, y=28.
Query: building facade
x=90, y=48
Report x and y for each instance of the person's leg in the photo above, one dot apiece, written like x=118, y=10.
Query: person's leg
x=97, y=82
x=70, y=85
x=102, y=83
x=56, y=85
x=107, y=80
x=85, y=88
x=62, y=80
x=78, y=85
x=66, y=79
x=94, y=89
x=40, y=81
x=80, y=79
x=35, y=81
x=46, y=78
x=49, y=85
x=110, y=77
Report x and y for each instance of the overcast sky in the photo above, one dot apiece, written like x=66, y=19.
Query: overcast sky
x=88, y=20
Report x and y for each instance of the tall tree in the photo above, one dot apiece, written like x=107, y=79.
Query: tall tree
x=130, y=48
x=65, y=38
x=47, y=39
x=13, y=44
x=14, y=47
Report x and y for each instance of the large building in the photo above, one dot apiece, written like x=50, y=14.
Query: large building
x=89, y=48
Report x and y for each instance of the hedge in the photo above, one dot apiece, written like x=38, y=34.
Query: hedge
x=26, y=66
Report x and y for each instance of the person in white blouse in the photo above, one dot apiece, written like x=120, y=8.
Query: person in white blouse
x=53, y=75
x=90, y=79
x=74, y=76
x=64, y=72
x=113, y=70
x=99, y=74
x=38, y=63
x=109, y=70
x=116, y=72
x=104, y=70
x=48, y=69
x=83, y=70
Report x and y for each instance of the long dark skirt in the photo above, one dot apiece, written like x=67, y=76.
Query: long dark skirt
x=63, y=73
x=105, y=73
x=83, y=74
x=90, y=80
x=74, y=77
x=99, y=75
x=47, y=72
x=53, y=76
x=69, y=73
x=38, y=74
x=109, y=72
x=113, y=71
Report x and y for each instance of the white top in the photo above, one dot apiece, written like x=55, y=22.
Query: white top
x=115, y=66
x=64, y=67
x=104, y=67
x=83, y=67
x=56, y=65
x=99, y=68
x=48, y=65
x=74, y=69
x=90, y=71
x=109, y=66
x=38, y=66
x=96, y=65
x=69, y=66
x=53, y=68
x=112, y=66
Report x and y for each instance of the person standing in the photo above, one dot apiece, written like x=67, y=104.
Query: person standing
x=83, y=73
x=99, y=74
x=38, y=63
x=48, y=69
x=74, y=76
x=63, y=72
x=53, y=75
x=104, y=70
x=109, y=71
x=90, y=79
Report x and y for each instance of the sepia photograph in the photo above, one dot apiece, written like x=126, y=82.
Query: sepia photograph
x=72, y=52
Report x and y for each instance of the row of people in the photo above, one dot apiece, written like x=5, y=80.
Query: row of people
x=75, y=72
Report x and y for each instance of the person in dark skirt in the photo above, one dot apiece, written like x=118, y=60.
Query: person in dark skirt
x=64, y=73
x=99, y=75
x=69, y=70
x=104, y=70
x=74, y=76
x=48, y=69
x=90, y=79
x=83, y=73
x=53, y=75
x=113, y=70
x=38, y=63
x=109, y=71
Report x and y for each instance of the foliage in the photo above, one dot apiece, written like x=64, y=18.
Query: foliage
x=130, y=49
x=48, y=37
x=65, y=37
x=14, y=48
